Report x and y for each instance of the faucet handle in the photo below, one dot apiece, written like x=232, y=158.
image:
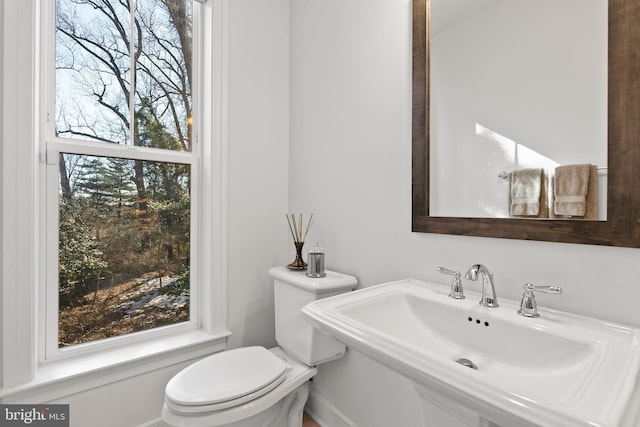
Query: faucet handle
x=457, y=292
x=445, y=270
x=544, y=289
x=528, y=305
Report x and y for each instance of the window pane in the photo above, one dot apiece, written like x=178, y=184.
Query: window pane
x=124, y=246
x=93, y=70
x=94, y=75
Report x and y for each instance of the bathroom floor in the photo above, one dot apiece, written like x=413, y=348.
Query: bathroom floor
x=307, y=421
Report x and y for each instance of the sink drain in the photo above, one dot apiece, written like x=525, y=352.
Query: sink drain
x=468, y=363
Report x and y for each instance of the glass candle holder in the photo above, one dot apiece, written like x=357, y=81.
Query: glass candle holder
x=315, y=260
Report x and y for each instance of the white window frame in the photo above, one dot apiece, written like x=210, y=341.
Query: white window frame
x=33, y=366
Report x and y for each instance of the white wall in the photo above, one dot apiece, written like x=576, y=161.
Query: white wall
x=135, y=401
x=258, y=144
x=351, y=165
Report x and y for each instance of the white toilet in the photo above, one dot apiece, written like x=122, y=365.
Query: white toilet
x=253, y=386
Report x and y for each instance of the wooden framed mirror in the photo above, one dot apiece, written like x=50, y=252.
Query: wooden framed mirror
x=622, y=226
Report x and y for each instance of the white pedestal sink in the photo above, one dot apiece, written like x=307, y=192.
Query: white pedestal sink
x=557, y=370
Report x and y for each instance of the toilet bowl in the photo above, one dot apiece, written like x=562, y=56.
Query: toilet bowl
x=240, y=395
x=253, y=386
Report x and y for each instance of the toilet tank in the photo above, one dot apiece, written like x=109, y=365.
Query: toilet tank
x=292, y=291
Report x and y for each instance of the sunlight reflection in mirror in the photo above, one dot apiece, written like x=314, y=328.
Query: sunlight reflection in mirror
x=518, y=156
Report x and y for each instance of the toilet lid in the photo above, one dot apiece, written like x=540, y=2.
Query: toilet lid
x=225, y=376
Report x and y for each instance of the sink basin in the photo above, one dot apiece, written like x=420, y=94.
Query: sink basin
x=557, y=370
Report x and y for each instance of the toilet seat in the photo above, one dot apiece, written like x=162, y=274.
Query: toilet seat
x=224, y=380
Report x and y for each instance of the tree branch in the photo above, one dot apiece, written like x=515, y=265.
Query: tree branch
x=88, y=135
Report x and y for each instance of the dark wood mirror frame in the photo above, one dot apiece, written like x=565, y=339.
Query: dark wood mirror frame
x=622, y=227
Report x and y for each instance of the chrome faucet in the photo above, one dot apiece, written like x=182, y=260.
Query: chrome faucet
x=489, y=298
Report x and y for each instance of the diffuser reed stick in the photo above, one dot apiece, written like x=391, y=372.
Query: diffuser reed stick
x=290, y=228
x=308, y=227
x=295, y=226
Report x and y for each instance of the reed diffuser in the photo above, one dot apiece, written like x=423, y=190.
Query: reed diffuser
x=298, y=239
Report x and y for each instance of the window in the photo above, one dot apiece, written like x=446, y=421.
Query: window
x=123, y=179
x=36, y=368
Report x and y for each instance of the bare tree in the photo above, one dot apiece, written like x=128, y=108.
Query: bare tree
x=113, y=66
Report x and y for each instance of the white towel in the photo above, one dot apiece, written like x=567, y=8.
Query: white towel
x=524, y=187
x=571, y=184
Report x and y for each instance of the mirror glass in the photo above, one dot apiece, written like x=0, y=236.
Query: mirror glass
x=517, y=88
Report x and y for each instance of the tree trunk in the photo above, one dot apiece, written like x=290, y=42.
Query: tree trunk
x=138, y=179
x=178, y=14
x=64, y=178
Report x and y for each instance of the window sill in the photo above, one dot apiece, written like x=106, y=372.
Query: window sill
x=56, y=379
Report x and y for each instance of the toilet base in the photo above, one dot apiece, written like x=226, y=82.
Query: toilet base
x=287, y=412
